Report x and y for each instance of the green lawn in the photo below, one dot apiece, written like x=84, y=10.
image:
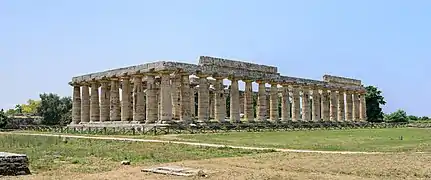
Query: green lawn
x=86, y=155
x=381, y=140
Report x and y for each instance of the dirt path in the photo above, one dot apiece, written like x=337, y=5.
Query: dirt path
x=192, y=143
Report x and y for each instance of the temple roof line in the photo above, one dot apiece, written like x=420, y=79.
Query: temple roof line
x=212, y=66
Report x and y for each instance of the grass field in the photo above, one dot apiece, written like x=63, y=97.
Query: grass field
x=381, y=140
x=89, y=156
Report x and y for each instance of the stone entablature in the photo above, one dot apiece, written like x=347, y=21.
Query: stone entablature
x=161, y=91
x=341, y=80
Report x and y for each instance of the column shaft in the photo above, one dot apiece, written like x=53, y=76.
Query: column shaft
x=306, y=116
x=186, y=106
x=273, y=113
x=363, y=107
x=211, y=104
x=349, y=106
x=125, y=100
x=165, y=98
x=234, y=101
x=356, y=106
x=261, y=102
x=203, y=99
x=151, y=100
x=85, y=104
x=176, y=94
x=295, y=104
x=220, y=107
x=193, y=103
x=115, y=110
x=341, y=105
x=248, y=101
x=325, y=105
x=285, y=104
x=316, y=105
x=104, y=100
x=76, y=104
x=333, y=105
x=94, y=102
x=139, y=110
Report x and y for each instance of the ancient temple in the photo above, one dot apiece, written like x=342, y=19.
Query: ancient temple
x=167, y=92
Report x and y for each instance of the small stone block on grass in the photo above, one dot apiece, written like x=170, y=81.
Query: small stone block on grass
x=12, y=164
x=176, y=170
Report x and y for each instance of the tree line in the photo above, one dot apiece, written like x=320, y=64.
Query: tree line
x=56, y=110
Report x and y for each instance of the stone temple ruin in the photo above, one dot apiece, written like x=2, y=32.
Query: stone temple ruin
x=173, y=92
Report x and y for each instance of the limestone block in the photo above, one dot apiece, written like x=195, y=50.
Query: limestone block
x=13, y=164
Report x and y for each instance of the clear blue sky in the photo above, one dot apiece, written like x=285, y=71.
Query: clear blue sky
x=386, y=43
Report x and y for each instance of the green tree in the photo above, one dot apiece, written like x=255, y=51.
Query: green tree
x=424, y=118
x=413, y=118
x=10, y=112
x=30, y=107
x=397, y=116
x=374, y=99
x=18, y=109
x=54, y=110
x=3, y=119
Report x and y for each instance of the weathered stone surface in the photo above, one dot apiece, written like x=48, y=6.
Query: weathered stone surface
x=341, y=80
x=349, y=106
x=94, y=102
x=160, y=91
x=315, y=104
x=341, y=112
x=261, y=102
x=13, y=164
x=324, y=106
x=76, y=104
x=333, y=105
x=306, y=116
x=213, y=61
x=104, y=100
x=85, y=104
x=295, y=104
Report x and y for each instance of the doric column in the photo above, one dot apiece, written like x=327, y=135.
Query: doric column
x=349, y=105
x=94, y=102
x=356, y=106
x=316, y=104
x=324, y=106
x=248, y=101
x=176, y=94
x=165, y=98
x=104, y=100
x=234, y=100
x=125, y=99
x=285, y=103
x=306, y=116
x=211, y=104
x=76, y=103
x=261, y=101
x=273, y=113
x=220, y=100
x=186, y=106
x=138, y=99
x=333, y=105
x=241, y=103
x=363, y=106
x=203, y=99
x=192, y=103
x=151, y=100
x=85, y=103
x=295, y=103
x=341, y=105
x=115, y=110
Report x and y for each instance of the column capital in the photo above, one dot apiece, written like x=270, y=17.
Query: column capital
x=114, y=78
x=261, y=81
x=74, y=84
x=248, y=80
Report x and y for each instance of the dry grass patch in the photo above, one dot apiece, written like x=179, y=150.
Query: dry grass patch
x=284, y=166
